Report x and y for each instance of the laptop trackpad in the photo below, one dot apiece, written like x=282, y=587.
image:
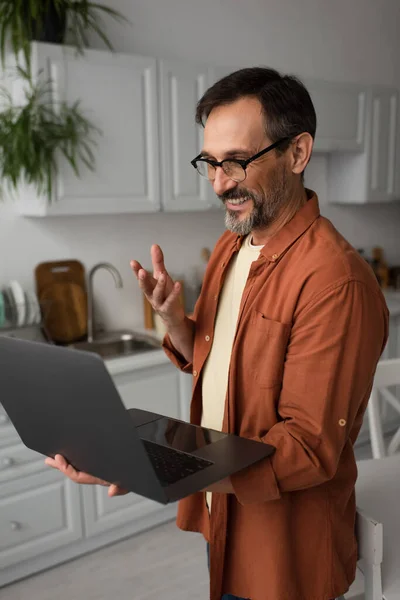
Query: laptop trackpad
x=178, y=435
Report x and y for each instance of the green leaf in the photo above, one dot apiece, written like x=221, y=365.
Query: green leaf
x=36, y=134
x=115, y=14
x=94, y=25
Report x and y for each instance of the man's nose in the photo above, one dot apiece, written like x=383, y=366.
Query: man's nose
x=222, y=183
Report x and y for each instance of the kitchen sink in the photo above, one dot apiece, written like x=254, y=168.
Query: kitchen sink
x=113, y=345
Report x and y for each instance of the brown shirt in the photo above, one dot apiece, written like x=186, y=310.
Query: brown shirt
x=311, y=328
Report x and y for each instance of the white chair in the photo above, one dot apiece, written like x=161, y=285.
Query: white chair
x=378, y=527
x=370, y=554
x=387, y=375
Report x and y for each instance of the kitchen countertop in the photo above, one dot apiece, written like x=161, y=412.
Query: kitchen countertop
x=141, y=360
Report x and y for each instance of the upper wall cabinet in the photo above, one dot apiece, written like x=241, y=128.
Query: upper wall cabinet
x=340, y=112
x=181, y=86
x=146, y=111
x=118, y=93
x=384, y=149
x=373, y=176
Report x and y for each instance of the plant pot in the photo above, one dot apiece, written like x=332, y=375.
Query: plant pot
x=52, y=27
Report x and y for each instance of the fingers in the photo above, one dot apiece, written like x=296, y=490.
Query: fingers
x=136, y=267
x=115, y=490
x=59, y=462
x=50, y=462
x=172, y=297
x=157, y=259
x=145, y=280
x=158, y=296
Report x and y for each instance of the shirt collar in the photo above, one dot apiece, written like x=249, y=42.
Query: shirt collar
x=286, y=236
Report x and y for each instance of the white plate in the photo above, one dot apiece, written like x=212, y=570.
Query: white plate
x=19, y=300
x=34, y=307
x=31, y=309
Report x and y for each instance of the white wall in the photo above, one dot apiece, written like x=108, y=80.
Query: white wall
x=347, y=41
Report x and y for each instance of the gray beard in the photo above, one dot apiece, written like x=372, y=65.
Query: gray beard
x=265, y=208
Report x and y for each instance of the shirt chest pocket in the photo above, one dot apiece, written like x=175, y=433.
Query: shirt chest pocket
x=265, y=349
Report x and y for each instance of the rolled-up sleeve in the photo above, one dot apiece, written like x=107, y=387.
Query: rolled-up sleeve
x=335, y=344
x=175, y=357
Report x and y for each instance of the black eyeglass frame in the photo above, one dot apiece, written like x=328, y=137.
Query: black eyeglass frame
x=243, y=163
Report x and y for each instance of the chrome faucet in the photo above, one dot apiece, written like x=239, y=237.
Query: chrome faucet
x=90, y=304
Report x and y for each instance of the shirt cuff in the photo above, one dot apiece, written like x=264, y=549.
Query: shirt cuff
x=175, y=357
x=257, y=483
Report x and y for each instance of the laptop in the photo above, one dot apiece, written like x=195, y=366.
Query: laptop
x=64, y=401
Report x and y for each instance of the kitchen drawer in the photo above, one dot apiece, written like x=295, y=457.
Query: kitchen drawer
x=103, y=513
x=18, y=460
x=38, y=516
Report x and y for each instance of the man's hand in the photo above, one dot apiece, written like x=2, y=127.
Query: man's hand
x=221, y=487
x=160, y=290
x=59, y=463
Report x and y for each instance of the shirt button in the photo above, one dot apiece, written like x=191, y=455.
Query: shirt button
x=207, y=338
x=216, y=297
x=342, y=422
x=275, y=256
x=194, y=373
x=222, y=265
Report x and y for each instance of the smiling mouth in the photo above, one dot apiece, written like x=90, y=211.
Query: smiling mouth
x=237, y=201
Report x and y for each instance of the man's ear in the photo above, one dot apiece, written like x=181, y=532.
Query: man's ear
x=301, y=150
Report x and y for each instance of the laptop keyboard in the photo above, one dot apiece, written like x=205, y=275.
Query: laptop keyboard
x=172, y=465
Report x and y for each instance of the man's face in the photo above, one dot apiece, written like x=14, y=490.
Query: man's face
x=237, y=130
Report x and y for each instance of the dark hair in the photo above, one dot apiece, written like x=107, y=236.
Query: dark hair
x=287, y=105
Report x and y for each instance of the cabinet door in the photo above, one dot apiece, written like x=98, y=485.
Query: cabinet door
x=383, y=148
x=118, y=94
x=38, y=514
x=341, y=113
x=154, y=389
x=181, y=86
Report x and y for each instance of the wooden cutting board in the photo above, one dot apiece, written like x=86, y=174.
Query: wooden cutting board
x=61, y=289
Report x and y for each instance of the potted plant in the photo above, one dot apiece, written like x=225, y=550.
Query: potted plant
x=35, y=134
x=22, y=21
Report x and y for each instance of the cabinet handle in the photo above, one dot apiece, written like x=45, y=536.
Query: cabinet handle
x=3, y=419
x=7, y=462
x=15, y=526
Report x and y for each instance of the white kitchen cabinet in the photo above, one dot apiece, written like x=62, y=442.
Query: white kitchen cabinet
x=146, y=110
x=181, y=86
x=384, y=151
x=341, y=113
x=38, y=514
x=118, y=92
x=371, y=176
x=340, y=109
x=156, y=390
x=46, y=519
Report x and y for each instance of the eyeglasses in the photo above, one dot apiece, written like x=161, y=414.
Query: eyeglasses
x=234, y=168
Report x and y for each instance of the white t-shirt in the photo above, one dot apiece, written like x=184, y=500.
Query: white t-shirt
x=215, y=373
